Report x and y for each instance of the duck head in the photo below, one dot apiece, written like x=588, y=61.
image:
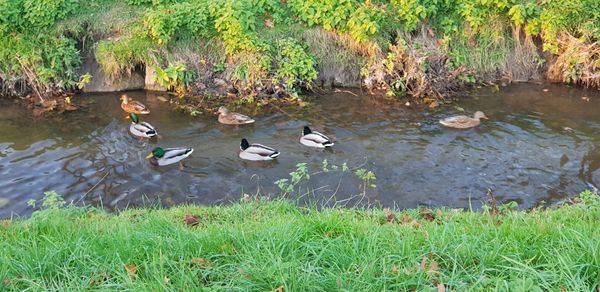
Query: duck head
x=124, y=98
x=479, y=115
x=244, y=145
x=134, y=118
x=157, y=152
x=306, y=130
x=223, y=110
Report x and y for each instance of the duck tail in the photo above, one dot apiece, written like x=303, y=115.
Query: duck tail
x=274, y=154
x=328, y=144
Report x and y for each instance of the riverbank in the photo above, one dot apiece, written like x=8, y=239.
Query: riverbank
x=278, y=246
x=257, y=51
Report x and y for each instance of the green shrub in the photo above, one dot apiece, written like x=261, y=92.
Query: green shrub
x=296, y=67
x=175, y=77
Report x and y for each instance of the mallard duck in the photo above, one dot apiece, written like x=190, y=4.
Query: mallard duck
x=314, y=139
x=228, y=118
x=256, y=152
x=162, y=157
x=133, y=106
x=463, y=122
x=143, y=129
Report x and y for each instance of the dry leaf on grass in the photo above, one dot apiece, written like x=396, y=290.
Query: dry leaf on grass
x=395, y=269
x=191, y=220
x=423, y=263
x=5, y=223
x=441, y=287
x=426, y=214
x=433, y=267
x=167, y=280
x=131, y=271
x=269, y=23
x=391, y=219
x=201, y=262
x=278, y=289
x=406, y=218
x=98, y=278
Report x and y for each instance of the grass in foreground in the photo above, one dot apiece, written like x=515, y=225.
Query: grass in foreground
x=263, y=246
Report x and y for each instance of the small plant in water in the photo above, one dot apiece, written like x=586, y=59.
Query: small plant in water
x=289, y=185
x=51, y=200
x=367, y=177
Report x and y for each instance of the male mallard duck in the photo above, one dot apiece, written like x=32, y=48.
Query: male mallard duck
x=463, y=122
x=228, y=118
x=256, y=152
x=143, y=129
x=314, y=139
x=162, y=157
x=133, y=106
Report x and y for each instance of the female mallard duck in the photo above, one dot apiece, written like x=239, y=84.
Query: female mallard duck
x=228, y=118
x=463, y=122
x=133, y=106
x=314, y=139
x=256, y=152
x=143, y=129
x=162, y=157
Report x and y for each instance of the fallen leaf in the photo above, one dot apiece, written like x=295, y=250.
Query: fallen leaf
x=386, y=212
x=99, y=278
x=433, y=266
x=441, y=287
x=278, y=289
x=7, y=282
x=439, y=214
x=167, y=280
x=131, y=271
x=5, y=223
x=328, y=233
x=406, y=218
x=391, y=218
x=201, y=262
x=395, y=269
x=423, y=263
x=191, y=220
x=426, y=214
x=433, y=104
x=416, y=224
x=269, y=23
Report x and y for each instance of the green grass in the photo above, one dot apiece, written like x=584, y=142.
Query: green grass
x=263, y=245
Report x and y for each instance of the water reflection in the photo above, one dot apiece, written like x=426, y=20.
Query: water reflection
x=536, y=146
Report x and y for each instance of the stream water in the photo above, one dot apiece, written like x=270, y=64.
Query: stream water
x=537, y=146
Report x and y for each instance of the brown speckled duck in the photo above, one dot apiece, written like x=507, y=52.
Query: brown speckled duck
x=463, y=122
x=228, y=118
x=133, y=106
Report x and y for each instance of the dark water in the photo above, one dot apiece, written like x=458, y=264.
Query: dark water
x=523, y=153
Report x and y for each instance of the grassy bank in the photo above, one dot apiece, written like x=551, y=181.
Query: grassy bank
x=416, y=48
x=260, y=245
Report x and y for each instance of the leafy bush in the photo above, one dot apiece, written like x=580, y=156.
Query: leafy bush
x=296, y=67
x=256, y=34
x=175, y=77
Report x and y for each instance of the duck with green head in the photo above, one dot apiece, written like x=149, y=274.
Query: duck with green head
x=162, y=157
x=141, y=129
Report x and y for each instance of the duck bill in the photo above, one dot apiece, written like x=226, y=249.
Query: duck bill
x=150, y=156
